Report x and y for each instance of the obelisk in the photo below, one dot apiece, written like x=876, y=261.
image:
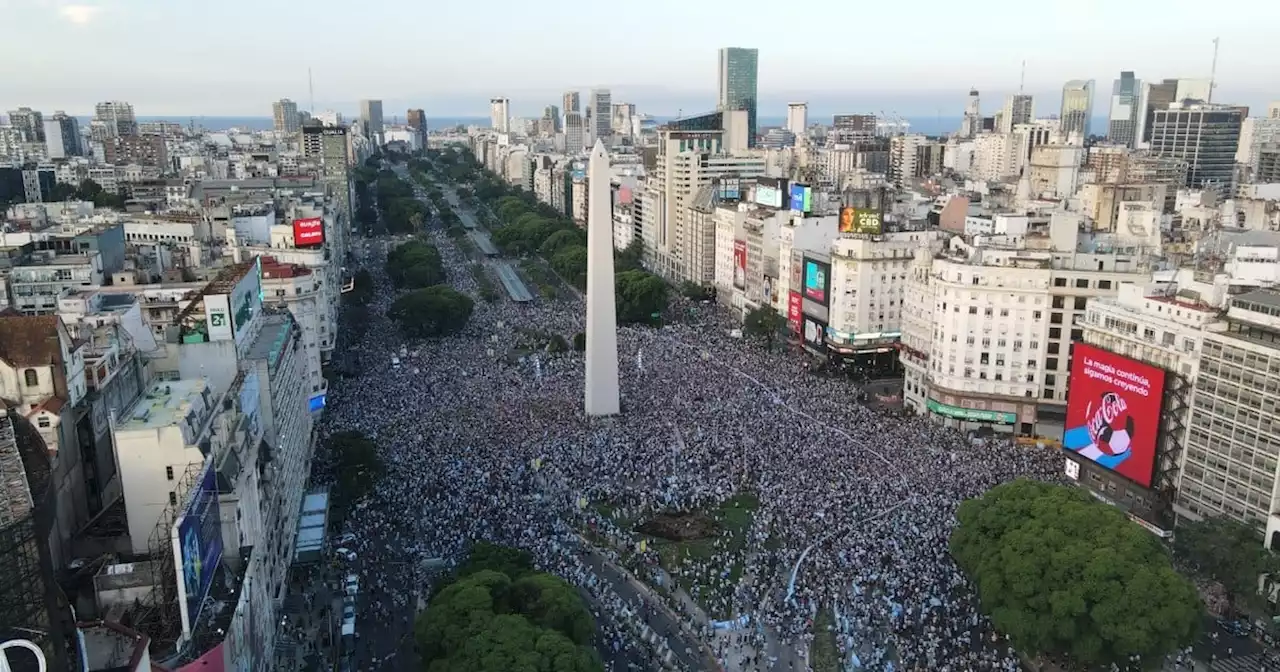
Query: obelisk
x=602, y=310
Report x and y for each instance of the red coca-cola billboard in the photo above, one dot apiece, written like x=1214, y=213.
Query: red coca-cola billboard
x=795, y=311
x=309, y=231
x=1113, y=412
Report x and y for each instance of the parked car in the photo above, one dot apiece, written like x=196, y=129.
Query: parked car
x=1235, y=628
x=345, y=538
x=346, y=554
x=351, y=585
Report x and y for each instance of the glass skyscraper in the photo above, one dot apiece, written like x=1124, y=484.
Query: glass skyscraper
x=738, y=76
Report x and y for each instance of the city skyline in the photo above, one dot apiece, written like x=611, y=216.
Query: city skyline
x=99, y=58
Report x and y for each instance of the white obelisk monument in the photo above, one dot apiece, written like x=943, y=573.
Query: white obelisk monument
x=602, y=310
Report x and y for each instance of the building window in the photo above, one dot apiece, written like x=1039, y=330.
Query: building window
x=1051, y=363
x=31, y=377
x=168, y=473
x=1082, y=283
x=1059, y=302
x=1053, y=348
x=1055, y=332
x=1055, y=318
x=1104, y=284
x=1059, y=282
x=1050, y=379
x=173, y=498
x=1081, y=302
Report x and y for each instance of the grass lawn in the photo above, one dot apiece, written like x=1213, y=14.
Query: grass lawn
x=823, y=654
x=734, y=518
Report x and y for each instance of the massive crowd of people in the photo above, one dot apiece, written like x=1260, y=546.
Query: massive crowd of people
x=854, y=506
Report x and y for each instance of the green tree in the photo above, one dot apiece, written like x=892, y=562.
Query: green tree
x=487, y=620
x=763, y=324
x=1061, y=573
x=363, y=290
x=1227, y=551
x=358, y=466
x=560, y=240
x=415, y=264
x=629, y=259
x=571, y=264
x=431, y=311
x=639, y=296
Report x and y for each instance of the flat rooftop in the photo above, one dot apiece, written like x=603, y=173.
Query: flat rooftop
x=59, y=260
x=270, y=342
x=164, y=404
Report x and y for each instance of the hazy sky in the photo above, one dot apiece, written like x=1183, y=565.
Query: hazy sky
x=233, y=57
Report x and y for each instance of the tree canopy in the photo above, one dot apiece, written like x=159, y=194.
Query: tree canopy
x=640, y=295
x=402, y=212
x=431, y=311
x=1226, y=551
x=88, y=190
x=415, y=264
x=763, y=324
x=1060, y=573
x=358, y=466
x=499, y=615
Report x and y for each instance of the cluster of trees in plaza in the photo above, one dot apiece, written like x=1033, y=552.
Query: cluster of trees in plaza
x=1060, y=573
x=532, y=227
x=498, y=614
x=1230, y=554
x=87, y=190
x=763, y=324
x=431, y=308
x=401, y=211
x=358, y=468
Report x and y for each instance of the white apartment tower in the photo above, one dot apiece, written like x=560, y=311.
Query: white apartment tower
x=500, y=115
x=284, y=113
x=797, y=118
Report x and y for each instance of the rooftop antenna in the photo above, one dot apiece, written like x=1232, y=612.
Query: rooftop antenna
x=1022, y=81
x=311, y=91
x=1213, y=71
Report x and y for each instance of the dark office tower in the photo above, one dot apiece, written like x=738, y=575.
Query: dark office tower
x=1123, y=114
x=417, y=120
x=739, y=69
x=1156, y=96
x=1205, y=136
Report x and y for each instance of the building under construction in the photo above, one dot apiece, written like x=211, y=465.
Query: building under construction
x=34, y=607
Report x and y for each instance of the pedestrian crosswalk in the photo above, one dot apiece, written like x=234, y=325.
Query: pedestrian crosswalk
x=1250, y=663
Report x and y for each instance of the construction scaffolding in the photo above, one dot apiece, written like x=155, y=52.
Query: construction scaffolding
x=158, y=616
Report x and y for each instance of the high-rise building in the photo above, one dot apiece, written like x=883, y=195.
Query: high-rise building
x=329, y=144
x=739, y=75
x=62, y=136
x=1077, y=107
x=500, y=114
x=971, y=125
x=117, y=117
x=572, y=102
x=29, y=122
x=1204, y=135
x=1122, y=124
x=574, y=133
x=797, y=117
x=284, y=113
x=371, y=115
x=602, y=114
x=1158, y=96
x=1019, y=108
x=417, y=120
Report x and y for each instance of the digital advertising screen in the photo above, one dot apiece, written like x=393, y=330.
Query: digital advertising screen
x=795, y=311
x=309, y=231
x=1113, y=412
x=801, y=198
x=198, y=546
x=865, y=221
x=815, y=332
x=740, y=264
x=768, y=195
x=817, y=280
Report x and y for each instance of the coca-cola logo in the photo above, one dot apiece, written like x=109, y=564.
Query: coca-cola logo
x=1110, y=408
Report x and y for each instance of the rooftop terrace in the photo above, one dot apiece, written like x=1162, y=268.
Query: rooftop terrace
x=165, y=403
